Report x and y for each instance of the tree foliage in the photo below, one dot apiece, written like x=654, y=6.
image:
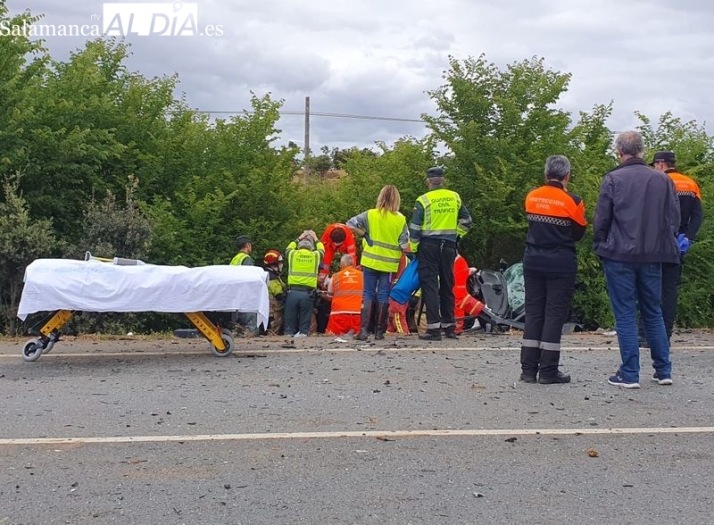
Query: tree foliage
x=22, y=240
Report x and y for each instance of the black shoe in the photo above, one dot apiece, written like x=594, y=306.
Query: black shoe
x=527, y=378
x=431, y=335
x=450, y=333
x=361, y=336
x=530, y=358
x=558, y=379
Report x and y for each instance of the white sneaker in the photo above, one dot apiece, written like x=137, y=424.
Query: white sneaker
x=300, y=334
x=666, y=381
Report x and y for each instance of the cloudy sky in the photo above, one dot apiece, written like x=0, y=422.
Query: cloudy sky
x=379, y=57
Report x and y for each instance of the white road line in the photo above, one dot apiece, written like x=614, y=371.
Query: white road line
x=357, y=434
x=369, y=349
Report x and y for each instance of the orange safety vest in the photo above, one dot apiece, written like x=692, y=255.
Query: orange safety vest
x=555, y=206
x=347, y=286
x=684, y=185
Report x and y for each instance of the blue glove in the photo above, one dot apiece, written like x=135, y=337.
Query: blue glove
x=367, y=239
x=684, y=243
x=411, y=256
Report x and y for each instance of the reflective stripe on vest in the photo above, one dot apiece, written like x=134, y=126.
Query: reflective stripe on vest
x=553, y=205
x=303, y=266
x=239, y=258
x=384, y=230
x=441, y=212
x=685, y=186
x=347, y=286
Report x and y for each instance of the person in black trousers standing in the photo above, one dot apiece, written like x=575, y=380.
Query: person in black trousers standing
x=556, y=221
x=690, y=206
x=438, y=220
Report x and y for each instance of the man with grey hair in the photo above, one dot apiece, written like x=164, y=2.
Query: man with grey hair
x=635, y=227
x=556, y=221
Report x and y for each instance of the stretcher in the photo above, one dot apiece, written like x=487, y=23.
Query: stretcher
x=63, y=286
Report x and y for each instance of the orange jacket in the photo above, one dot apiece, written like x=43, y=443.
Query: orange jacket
x=690, y=204
x=348, y=246
x=347, y=286
x=461, y=275
x=556, y=221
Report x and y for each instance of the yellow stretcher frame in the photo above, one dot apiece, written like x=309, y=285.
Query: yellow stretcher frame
x=220, y=338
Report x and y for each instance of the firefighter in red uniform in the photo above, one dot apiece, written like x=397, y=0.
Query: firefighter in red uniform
x=338, y=238
x=556, y=221
x=461, y=275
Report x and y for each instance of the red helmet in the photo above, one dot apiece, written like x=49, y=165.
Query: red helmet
x=272, y=257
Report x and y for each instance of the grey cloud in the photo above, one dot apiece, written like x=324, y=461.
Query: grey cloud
x=438, y=40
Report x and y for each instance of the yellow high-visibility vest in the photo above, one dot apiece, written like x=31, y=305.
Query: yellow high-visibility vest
x=239, y=258
x=303, y=266
x=441, y=213
x=384, y=252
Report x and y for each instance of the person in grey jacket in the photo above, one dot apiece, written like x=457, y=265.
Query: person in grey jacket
x=635, y=231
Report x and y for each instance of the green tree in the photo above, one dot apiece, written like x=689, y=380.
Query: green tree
x=592, y=144
x=240, y=184
x=114, y=230
x=499, y=126
x=22, y=240
x=84, y=125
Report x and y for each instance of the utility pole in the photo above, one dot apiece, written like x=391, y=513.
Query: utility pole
x=307, y=128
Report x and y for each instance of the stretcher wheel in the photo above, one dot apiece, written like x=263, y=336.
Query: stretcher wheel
x=227, y=338
x=32, y=350
x=49, y=346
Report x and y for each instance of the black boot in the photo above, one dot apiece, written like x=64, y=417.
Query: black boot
x=382, y=318
x=549, y=373
x=530, y=357
x=450, y=332
x=432, y=334
x=363, y=334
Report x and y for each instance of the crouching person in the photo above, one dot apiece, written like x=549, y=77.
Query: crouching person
x=345, y=292
x=304, y=256
x=273, y=264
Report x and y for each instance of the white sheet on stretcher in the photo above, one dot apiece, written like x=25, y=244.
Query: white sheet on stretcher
x=94, y=286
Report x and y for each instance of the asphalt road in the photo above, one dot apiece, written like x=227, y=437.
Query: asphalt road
x=153, y=432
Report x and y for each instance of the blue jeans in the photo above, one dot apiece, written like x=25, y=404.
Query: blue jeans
x=377, y=284
x=628, y=285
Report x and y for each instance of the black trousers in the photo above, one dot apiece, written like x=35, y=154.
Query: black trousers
x=436, y=276
x=322, y=316
x=549, y=298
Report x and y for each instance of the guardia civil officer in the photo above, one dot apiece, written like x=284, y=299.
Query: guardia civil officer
x=304, y=256
x=438, y=220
